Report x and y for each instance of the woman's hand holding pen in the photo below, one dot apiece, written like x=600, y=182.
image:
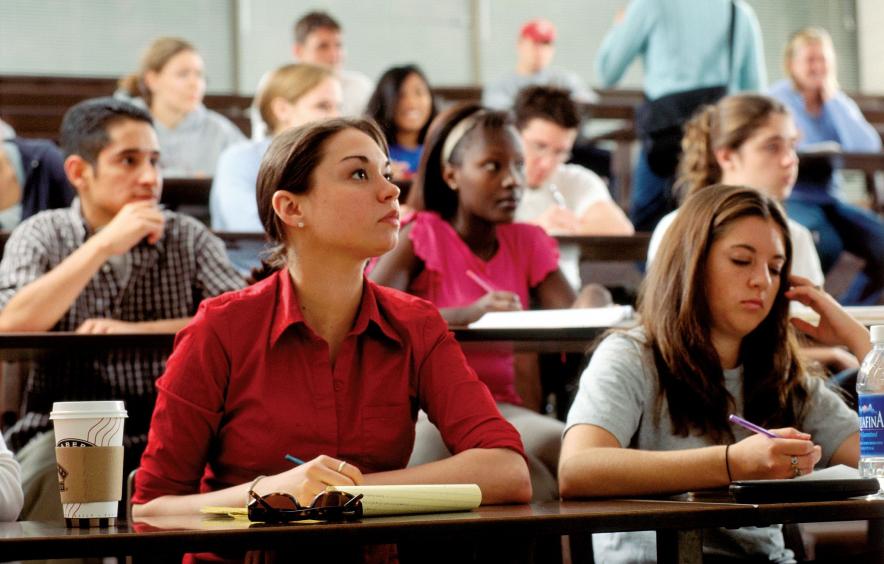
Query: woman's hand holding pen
x=758, y=457
x=494, y=301
x=836, y=326
x=306, y=480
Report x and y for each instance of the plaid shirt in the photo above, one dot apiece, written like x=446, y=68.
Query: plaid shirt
x=164, y=281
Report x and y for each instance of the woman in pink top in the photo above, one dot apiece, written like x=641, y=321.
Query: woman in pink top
x=465, y=254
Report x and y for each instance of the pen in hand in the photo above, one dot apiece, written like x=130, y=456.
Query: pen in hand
x=736, y=419
x=481, y=282
x=294, y=460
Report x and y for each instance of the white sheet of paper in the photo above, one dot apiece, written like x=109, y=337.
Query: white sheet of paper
x=837, y=472
x=555, y=318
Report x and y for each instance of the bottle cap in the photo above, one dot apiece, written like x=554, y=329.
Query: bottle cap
x=877, y=332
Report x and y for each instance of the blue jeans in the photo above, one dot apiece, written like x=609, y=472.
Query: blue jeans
x=651, y=196
x=837, y=227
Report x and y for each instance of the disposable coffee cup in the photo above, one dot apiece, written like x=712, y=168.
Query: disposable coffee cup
x=89, y=455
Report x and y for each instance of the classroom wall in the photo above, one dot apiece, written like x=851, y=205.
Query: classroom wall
x=870, y=22
x=456, y=41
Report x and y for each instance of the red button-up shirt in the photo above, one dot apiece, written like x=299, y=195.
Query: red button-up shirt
x=248, y=381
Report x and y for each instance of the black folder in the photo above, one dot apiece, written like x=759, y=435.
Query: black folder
x=784, y=491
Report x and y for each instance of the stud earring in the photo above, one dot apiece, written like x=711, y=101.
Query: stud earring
x=301, y=224
x=453, y=187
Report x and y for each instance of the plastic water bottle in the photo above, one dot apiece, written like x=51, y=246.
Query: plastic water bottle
x=870, y=388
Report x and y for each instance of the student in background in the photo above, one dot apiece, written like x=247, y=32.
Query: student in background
x=651, y=414
x=565, y=199
x=334, y=365
x=293, y=95
x=171, y=84
x=403, y=106
x=111, y=263
x=824, y=113
x=465, y=254
x=32, y=179
x=11, y=498
x=318, y=40
x=683, y=45
x=749, y=140
x=535, y=50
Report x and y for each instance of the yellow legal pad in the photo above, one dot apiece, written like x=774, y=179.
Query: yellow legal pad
x=394, y=500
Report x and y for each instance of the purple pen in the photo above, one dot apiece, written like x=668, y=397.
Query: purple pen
x=751, y=426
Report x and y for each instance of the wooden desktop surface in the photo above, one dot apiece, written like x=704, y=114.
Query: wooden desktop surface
x=675, y=521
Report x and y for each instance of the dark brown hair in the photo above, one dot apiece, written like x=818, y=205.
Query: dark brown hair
x=288, y=165
x=310, y=22
x=675, y=314
x=548, y=103
x=382, y=104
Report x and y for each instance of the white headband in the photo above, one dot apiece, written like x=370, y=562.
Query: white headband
x=457, y=133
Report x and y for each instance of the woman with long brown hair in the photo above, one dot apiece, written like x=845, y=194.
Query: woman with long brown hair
x=651, y=415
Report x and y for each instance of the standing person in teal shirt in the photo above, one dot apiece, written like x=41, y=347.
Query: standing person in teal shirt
x=683, y=45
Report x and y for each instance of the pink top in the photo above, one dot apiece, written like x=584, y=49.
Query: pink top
x=525, y=257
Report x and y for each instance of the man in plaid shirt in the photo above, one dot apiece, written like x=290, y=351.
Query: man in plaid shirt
x=113, y=262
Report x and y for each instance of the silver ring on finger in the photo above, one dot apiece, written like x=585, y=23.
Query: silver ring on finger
x=341, y=466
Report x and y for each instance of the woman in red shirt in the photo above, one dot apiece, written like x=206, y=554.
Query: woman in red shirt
x=316, y=360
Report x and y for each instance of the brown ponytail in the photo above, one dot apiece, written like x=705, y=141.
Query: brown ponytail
x=698, y=167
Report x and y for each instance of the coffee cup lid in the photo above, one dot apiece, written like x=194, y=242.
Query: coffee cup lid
x=87, y=409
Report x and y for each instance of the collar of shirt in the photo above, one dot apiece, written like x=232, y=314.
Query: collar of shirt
x=289, y=311
x=83, y=230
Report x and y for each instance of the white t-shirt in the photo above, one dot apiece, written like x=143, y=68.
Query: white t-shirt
x=805, y=260
x=581, y=188
x=356, y=89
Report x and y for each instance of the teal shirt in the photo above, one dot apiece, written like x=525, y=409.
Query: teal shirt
x=683, y=45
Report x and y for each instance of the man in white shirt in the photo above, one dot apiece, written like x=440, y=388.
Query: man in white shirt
x=318, y=41
x=564, y=199
x=534, y=54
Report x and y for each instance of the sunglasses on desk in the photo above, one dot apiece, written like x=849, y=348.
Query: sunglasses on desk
x=283, y=507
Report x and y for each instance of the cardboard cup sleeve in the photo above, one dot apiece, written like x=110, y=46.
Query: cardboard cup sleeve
x=90, y=474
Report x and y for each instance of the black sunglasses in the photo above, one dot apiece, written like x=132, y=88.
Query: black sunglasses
x=283, y=507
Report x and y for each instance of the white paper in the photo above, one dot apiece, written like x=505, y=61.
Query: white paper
x=838, y=472
x=555, y=318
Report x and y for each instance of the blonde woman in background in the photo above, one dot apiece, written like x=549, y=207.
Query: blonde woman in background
x=294, y=95
x=171, y=84
x=824, y=113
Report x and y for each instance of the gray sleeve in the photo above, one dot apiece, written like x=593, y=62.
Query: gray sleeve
x=829, y=421
x=613, y=389
x=25, y=257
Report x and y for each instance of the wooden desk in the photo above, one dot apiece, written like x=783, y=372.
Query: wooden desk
x=532, y=340
x=609, y=248
x=678, y=524
x=23, y=346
